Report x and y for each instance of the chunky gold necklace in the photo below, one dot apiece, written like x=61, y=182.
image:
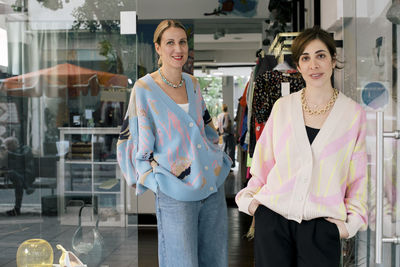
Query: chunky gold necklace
x=323, y=110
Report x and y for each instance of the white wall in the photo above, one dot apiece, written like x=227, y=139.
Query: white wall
x=3, y=44
x=331, y=11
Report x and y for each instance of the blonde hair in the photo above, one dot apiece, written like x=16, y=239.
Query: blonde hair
x=162, y=27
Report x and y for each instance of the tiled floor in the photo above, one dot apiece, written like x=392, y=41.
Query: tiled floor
x=123, y=247
x=120, y=244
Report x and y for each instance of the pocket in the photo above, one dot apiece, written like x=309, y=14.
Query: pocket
x=333, y=229
x=257, y=210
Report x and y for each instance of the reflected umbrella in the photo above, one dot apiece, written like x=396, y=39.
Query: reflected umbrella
x=60, y=80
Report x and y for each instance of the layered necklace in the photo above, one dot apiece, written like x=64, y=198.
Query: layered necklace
x=168, y=82
x=323, y=110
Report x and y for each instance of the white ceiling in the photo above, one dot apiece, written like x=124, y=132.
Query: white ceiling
x=237, y=46
x=242, y=38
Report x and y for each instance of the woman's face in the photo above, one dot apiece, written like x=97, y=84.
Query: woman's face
x=173, y=48
x=316, y=64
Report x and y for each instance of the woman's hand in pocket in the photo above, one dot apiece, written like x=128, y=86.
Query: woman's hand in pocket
x=341, y=227
x=253, y=206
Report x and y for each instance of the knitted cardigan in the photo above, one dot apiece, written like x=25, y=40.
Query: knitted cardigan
x=162, y=147
x=302, y=181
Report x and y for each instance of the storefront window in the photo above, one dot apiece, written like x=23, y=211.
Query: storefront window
x=370, y=77
x=66, y=69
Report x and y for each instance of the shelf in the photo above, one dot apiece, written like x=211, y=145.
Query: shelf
x=86, y=130
x=97, y=192
x=75, y=192
x=96, y=178
x=279, y=41
x=90, y=161
x=77, y=161
x=105, y=162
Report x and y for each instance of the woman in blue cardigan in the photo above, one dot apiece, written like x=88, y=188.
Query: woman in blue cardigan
x=168, y=144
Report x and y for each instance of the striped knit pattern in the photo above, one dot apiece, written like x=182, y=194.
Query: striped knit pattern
x=302, y=181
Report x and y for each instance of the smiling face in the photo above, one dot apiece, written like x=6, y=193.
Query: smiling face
x=173, y=48
x=316, y=64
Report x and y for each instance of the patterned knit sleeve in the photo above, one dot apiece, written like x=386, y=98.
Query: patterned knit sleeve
x=127, y=143
x=356, y=189
x=135, y=145
x=262, y=163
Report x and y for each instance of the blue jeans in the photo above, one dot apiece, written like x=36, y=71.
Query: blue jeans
x=192, y=233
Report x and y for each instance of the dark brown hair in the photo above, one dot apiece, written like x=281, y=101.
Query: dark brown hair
x=311, y=34
x=162, y=27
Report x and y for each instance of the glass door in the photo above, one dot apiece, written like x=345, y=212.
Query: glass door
x=66, y=69
x=370, y=76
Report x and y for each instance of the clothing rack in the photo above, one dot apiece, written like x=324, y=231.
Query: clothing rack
x=268, y=81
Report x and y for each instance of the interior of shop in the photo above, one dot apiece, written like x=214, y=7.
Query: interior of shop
x=66, y=72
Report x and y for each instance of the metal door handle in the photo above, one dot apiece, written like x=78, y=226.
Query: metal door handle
x=379, y=187
x=380, y=134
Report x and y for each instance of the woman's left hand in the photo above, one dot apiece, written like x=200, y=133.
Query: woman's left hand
x=340, y=225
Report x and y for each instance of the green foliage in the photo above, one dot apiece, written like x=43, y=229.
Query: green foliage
x=211, y=88
x=99, y=15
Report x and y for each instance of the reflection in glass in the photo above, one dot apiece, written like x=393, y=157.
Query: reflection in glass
x=64, y=64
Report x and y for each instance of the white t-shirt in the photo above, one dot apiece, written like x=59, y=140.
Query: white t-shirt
x=185, y=107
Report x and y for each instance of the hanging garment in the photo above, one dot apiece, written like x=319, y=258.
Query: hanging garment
x=267, y=90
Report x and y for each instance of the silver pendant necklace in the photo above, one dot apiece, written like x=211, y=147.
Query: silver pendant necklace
x=168, y=82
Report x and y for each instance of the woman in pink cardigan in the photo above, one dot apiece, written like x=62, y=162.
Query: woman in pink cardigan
x=309, y=171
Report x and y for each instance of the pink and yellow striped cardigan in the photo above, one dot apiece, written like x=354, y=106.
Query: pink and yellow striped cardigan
x=302, y=181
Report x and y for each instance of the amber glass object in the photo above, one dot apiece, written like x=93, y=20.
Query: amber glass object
x=35, y=253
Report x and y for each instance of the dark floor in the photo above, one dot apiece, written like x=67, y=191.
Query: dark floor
x=240, y=249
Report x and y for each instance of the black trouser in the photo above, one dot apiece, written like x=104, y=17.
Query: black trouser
x=279, y=242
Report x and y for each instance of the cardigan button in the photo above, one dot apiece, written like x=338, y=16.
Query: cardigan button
x=198, y=146
x=206, y=168
x=191, y=124
x=211, y=188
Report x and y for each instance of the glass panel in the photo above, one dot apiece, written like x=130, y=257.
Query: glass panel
x=105, y=178
x=104, y=147
x=65, y=74
x=370, y=45
x=80, y=147
x=78, y=178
